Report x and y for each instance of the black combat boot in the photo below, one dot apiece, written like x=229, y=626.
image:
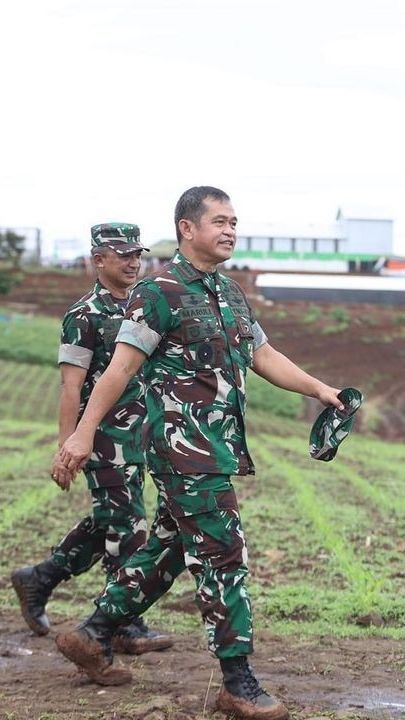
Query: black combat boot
x=242, y=695
x=34, y=585
x=136, y=638
x=89, y=647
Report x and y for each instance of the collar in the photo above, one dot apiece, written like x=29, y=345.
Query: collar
x=187, y=271
x=106, y=298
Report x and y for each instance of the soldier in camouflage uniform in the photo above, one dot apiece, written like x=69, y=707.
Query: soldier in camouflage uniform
x=199, y=335
x=114, y=472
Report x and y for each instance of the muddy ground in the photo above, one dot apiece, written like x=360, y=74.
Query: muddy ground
x=339, y=678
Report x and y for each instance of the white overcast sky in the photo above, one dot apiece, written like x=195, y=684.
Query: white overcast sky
x=111, y=108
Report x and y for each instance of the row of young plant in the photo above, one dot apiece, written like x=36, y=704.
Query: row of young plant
x=325, y=539
x=333, y=534
x=33, y=341
x=29, y=339
x=29, y=392
x=36, y=515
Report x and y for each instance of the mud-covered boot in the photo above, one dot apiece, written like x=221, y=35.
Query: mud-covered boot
x=89, y=648
x=34, y=585
x=242, y=695
x=137, y=638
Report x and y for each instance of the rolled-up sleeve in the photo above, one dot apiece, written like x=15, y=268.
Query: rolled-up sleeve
x=77, y=343
x=75, y=355
x=259, y=336
x=138, y=335
x=147, y=319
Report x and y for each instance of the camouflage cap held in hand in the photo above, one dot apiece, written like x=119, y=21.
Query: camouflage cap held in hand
x=123, y=238
x=332, y=426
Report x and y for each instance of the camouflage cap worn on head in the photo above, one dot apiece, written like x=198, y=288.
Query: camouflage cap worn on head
x=332, y=426
x=123, y=238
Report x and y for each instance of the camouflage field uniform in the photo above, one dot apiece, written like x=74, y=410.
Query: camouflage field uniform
x=114, y=471
x=199, y=335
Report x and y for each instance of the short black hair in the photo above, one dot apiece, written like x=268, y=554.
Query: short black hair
x=191, y=206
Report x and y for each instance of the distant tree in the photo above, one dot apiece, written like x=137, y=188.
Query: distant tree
x=11, y=247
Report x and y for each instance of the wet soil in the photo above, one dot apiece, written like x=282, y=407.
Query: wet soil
x=339, y=678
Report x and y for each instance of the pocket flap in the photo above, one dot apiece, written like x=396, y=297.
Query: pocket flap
x=193, y=503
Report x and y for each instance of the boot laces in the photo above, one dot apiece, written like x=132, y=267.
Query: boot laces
x=37, y=593
x=250, y=684
x=140, y=623
x=135, y=630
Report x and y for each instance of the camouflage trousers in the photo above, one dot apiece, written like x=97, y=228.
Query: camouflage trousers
x=197, y=526
x=115, y=530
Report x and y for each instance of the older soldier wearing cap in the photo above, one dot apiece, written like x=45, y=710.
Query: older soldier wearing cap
x=198, y=335
x=114, y=472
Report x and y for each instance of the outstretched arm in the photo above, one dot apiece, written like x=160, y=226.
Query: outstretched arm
x=276, y=368
x=125, y=362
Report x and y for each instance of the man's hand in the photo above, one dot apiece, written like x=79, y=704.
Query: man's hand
x=61, y=475
x=329, y=396
x=75, y=451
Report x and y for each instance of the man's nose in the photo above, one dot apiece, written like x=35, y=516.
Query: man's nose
x=230, y=230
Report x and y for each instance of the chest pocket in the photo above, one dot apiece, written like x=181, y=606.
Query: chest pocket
x=202, y=342
x=196, y=330
x=111, y=327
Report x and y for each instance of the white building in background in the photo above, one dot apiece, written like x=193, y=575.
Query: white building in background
x=364, y=235
x=354, y=242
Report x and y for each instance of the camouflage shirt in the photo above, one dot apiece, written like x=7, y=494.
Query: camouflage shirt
x=199, y=334
x=89, y=330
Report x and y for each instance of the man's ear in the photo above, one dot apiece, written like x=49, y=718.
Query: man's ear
x=186, y=229
x=98, y=260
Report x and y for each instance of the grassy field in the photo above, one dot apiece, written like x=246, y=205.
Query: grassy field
x=29, y=339
x=326, y=540
x=29, y=392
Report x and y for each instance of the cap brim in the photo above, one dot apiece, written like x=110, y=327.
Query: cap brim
x=127, y=248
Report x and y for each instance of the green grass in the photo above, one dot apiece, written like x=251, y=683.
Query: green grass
x=325, y=539
x=29, y=392
x=312, y=315
x=337, y=319
x=332, y=329
x=267, y=398
x=29, y=339
x=340, y=315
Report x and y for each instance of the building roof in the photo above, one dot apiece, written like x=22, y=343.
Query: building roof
x=358, y=212
x=163, y=249
x=322, y=231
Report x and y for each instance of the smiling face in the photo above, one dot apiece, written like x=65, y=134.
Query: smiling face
x=212, y=239
x=118, y=273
